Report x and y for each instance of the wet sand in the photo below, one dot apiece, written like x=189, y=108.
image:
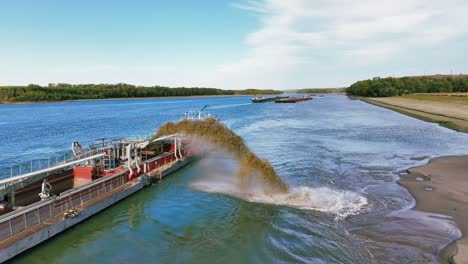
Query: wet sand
x=441, y=186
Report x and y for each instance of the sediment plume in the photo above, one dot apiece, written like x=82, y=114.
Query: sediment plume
x=220, y=136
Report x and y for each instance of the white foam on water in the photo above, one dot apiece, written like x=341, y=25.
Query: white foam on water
x=217, y=175
x=323, y=199
x=228, y=105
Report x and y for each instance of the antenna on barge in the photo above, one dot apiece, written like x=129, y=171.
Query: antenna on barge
x=197, y=114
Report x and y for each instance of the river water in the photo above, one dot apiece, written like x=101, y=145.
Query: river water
x=342, y=155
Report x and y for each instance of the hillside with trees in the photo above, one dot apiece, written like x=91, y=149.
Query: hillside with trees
x=385, y=87
x=63, y=92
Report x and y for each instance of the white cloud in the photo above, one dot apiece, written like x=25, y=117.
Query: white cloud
x=331, y=35
x=250, y=5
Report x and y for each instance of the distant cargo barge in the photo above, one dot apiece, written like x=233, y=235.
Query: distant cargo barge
x=261, y=99
x=294, y=99
x=37, y=205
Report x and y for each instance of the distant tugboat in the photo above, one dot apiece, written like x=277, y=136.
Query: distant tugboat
x=294, y=99
x=261, y=99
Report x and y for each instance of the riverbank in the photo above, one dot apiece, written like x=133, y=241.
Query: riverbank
x=441, y=187
x=125, y=98
x=448, y=110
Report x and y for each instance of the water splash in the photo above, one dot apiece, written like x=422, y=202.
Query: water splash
x=339, y=203
x=250, y=167
x=255, y=179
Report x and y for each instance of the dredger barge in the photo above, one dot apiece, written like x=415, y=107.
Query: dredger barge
x=41, y=203
x=294, y=99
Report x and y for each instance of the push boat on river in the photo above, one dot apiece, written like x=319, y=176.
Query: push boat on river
x=262, y=99
x=294, y=99
x=43, y=202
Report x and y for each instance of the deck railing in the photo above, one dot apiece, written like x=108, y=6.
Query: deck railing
x=22, y=219
x=41, y=164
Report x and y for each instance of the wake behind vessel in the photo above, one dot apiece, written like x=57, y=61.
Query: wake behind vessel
x=43, y=201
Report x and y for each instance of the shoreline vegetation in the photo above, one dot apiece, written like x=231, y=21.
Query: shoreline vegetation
x=70, y=92
x=340, y=90
x=387, y=87
x=121, y=98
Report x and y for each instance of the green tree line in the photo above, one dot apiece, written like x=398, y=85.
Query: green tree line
x=62, y=92
x=321, y=90
x=384, y=87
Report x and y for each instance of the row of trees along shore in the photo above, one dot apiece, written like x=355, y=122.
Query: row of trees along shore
x=321, y=90
x=384, y=87
x=63, y=92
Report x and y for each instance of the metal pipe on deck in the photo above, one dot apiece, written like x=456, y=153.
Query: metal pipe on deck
x=164, y=137
x=175, y=148
x=60, y=166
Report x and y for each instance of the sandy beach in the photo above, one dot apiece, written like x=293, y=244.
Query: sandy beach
x=447, y=110
x=441, y=186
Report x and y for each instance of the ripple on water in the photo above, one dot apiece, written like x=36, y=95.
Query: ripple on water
x=343, y=153
x=339, y=203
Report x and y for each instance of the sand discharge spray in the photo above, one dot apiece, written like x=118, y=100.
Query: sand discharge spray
x=256, y=179
x=250, y=165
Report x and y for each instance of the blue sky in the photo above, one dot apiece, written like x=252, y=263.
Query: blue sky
x=232, y=44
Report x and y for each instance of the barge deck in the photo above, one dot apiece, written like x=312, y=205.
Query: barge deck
x=95, y=186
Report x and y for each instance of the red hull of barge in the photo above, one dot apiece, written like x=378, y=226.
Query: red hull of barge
x=39, y=219
x=293, y=100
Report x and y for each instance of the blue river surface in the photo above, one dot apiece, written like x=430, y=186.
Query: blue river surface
x=343, y=155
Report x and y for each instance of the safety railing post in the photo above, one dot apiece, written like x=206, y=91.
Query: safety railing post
x=11, y=229
x=25, y=221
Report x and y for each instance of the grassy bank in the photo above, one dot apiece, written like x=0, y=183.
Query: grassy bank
x=447, y=109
